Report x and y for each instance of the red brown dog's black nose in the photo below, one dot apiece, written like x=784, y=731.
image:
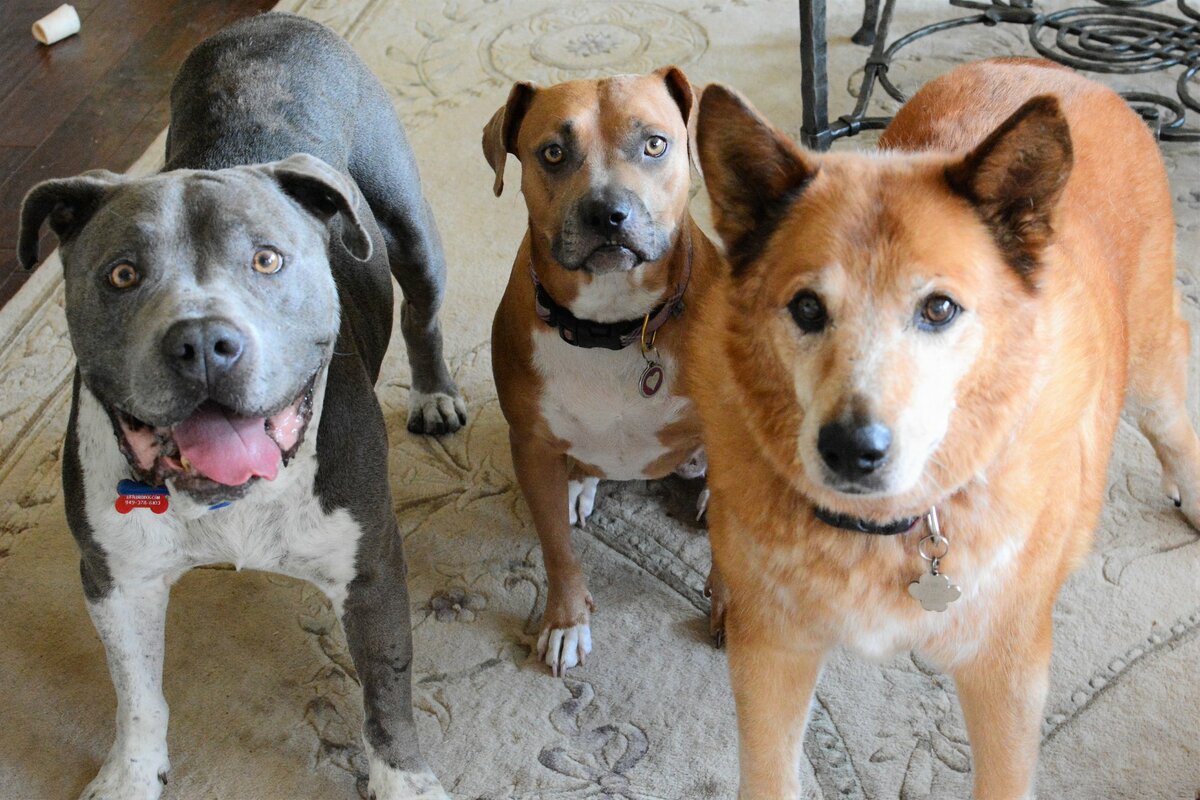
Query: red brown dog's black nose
x=853, y=450
x=203, y=349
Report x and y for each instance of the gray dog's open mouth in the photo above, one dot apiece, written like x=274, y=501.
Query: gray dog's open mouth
x=214, y=449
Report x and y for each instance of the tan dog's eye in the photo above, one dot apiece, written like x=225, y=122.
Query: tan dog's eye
x=268, y=261
x=124, y=276
x=656, y=146
x=809, y=312
x=553, y=154
x=938, y=311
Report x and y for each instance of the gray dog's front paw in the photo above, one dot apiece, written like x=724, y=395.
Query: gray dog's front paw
x=436, y=413
x=128, y=779
x=389, y=783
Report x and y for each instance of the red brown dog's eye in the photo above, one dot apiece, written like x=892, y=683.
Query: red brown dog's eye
x=124, y=276
x=938, y=311
x=268, y=261
x=553, y=154
x=809, y=312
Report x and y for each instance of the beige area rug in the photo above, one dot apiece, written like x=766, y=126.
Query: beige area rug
x=262, y=702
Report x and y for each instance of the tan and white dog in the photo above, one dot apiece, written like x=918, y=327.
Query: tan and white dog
x=587, y=341
x=947, y=327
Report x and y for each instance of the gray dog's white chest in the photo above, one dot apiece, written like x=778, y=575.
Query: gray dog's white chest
x=278, y=527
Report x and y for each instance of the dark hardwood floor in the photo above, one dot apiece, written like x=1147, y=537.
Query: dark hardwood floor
x=95, y=100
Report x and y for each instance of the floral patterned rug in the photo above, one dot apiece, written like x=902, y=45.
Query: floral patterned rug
x=264, y=702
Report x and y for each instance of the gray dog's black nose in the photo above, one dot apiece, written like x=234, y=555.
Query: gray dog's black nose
x=853, y=450
x=203, y=349
x=606, y=214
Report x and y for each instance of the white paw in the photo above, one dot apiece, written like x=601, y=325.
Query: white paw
x=563, y=648
x=124, y=778
x=1186, y=502
x=694, y=467
x=389, y=783
x=436, y=413
x=581, y=499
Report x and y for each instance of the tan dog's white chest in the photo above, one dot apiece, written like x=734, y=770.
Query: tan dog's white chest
x=592, y=400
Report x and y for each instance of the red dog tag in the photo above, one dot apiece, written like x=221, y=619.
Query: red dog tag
x=134, y=494
x=652, y=379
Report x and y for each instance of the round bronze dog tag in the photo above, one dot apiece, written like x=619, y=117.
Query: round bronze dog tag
x=652, y=380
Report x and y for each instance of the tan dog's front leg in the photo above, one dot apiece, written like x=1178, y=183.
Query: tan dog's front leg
x=566, y=636
x=1003, y=694
x=772, y=687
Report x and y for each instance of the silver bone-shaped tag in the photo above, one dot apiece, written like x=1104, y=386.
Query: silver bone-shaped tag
x=934, y=591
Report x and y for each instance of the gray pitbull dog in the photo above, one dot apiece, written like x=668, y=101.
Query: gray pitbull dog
x=229, y=317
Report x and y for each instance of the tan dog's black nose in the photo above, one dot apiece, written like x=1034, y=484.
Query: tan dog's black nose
x=606, y=214
x=853, y=450
x=204, y=349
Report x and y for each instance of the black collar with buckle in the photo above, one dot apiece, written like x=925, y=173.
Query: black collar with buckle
x=849, y=523
x=608, y=335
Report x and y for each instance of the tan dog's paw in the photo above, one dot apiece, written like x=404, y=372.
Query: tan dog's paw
x=581, y=499
x=563, y=648
x=716, y=590
x=435, y=414
x=566, y=637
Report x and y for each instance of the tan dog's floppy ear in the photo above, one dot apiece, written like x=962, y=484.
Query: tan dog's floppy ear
x=324, y=192
x=681, y=92
x=752, y=170
x=68, y=202
x=500, y=134
x=1015, y=177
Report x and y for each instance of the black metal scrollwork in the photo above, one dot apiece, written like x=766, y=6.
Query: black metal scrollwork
x=1108, y=36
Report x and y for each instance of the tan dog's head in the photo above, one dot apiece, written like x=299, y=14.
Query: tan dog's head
x=604, y=165
x=883, y=306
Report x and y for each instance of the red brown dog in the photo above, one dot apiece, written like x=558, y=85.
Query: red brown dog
x=945, y=330
x=587, y=341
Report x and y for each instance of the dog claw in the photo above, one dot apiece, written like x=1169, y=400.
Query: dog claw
x=436, y=414
x=560, y=649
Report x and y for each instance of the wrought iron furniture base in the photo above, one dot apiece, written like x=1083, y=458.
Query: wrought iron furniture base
x=1111, y=36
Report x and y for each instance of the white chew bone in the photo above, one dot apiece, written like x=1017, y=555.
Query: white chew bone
x=57, y=25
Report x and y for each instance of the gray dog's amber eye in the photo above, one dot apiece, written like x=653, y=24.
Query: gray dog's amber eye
x=268, y=261
x=124, y=276
x=937, y=311
x=656, y=146
x=553, y=154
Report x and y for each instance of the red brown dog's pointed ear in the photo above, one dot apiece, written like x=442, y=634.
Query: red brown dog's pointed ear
x=1015, y=177
x=500, y=134
x=680, y=89
x=68, y=203
x=752, y=170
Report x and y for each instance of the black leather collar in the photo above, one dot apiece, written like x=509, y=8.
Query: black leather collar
x=849, y=523
x=587, y=333
x=609, y=335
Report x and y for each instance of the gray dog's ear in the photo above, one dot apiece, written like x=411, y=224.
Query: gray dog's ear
x=680, y=89
x=500, y=134
x=324, y=192
x=68, y=203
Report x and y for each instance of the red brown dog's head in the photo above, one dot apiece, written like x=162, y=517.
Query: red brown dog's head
x=882, y=306
x=604, y=166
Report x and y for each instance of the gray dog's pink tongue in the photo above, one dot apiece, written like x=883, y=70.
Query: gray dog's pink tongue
x=226, y=448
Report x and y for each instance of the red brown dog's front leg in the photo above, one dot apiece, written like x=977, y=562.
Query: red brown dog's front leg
x=566, y=636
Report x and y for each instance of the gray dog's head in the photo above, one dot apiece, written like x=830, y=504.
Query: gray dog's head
x=201, y=307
